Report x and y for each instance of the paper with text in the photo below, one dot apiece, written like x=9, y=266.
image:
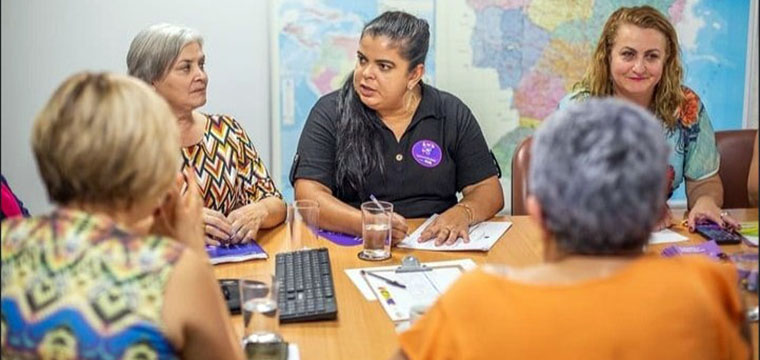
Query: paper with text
x=482, y=237
x=422, y=287
x=361, y=284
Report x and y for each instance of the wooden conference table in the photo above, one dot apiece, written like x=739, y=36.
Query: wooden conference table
x=364, y=331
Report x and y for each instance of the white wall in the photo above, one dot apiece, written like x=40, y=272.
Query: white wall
x=754, y=67
x=43, y=42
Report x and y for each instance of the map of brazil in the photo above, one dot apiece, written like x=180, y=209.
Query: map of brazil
x=510, y=61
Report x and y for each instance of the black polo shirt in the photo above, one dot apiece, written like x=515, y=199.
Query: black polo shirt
x=441, y=152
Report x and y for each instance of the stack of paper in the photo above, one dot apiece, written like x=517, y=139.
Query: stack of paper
x=482, y=237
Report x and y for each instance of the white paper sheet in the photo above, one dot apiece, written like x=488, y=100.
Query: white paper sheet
x=749, y=231
x=442, y=277
x=666, y=236
x=482, y=237
x=422, y=287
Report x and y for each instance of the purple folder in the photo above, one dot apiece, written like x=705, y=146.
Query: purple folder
x=340, y=238
x=709, y=248
x=235, y=252
x=747, y=274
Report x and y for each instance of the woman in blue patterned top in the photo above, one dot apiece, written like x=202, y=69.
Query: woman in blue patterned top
x=637, y=58
x=89, y=281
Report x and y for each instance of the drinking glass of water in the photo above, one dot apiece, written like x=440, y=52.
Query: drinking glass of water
x=303, y=223
x=376, y=230
x=258, y=299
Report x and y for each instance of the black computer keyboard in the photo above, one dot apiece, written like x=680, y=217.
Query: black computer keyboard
x=306, y=286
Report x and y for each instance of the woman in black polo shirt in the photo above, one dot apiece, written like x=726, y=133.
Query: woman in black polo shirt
x=387, y=134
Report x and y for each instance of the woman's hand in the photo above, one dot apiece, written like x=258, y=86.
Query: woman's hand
x=180, y=216
x=448, y=227
x=245, y=222
x=399, y=228
x=666, y=221
x=217, y=227
x=705, y=208
x=455, y=222
x=188, y=218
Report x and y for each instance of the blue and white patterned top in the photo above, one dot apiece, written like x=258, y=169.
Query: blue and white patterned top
x=694, y=154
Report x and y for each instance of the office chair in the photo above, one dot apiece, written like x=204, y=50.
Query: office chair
x=735, y=148
x=520, y=166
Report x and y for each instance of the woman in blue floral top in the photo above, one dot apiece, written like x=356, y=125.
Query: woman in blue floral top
x=637, y=58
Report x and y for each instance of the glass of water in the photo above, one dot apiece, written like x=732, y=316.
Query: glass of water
x=303, y=223
x=258, y=299
x=376, y=230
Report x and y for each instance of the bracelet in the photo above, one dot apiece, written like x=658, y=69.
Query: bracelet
x=468, y=210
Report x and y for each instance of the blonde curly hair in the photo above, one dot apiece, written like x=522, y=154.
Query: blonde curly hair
x=106, y=139
x=668, y=94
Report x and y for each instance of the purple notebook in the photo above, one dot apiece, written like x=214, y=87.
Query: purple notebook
x=340, y=238
x=235, y=252
x=746, y=263
x=709, y=248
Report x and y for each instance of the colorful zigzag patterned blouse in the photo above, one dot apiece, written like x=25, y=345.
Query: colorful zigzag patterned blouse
x=229, y=171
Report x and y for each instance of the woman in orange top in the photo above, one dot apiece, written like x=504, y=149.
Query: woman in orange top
x=596, y=181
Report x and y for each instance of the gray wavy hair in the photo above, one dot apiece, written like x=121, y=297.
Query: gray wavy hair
x=598, y=169
x=156, y=47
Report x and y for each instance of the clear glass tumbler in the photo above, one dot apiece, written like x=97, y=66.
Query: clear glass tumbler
x=258, y=299
x=303, y=224
x=376, y=230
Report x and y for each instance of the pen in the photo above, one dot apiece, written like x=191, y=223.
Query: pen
x=379, y=206
x=377, y=203
x=389, y=281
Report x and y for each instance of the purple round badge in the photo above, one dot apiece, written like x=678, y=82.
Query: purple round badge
x=427, y=153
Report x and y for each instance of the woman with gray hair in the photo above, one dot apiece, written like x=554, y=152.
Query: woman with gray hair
x=92, y=280
x=597, y=180
x=239, y=195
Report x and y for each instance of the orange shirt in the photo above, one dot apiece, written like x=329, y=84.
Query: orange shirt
x=655, y=308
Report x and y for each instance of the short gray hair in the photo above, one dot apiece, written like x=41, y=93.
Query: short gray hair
x=598, y=169
x=155, y=48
